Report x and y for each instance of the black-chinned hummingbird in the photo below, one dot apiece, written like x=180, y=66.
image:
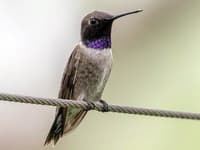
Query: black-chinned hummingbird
x=87, y=71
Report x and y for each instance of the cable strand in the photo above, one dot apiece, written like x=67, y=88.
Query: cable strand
x=99, y=107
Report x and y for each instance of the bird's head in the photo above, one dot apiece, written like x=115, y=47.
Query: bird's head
x=97, y=26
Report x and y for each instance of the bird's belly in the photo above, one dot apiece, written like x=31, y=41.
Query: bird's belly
x=92, y=76
x=90, y=82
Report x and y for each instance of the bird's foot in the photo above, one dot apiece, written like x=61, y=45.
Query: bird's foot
x=105, y=107
x=91, y=105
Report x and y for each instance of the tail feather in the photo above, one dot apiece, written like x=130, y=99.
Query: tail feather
x=62, y=126
x=57, y=129
x=75, y=121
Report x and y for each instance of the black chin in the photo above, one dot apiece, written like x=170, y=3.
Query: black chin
x=97, y=32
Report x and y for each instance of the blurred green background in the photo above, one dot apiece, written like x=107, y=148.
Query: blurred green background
x=156, y=65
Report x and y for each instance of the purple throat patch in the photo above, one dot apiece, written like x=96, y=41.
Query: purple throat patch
x=100, y=43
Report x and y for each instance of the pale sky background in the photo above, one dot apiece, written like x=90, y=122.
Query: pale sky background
x=156, y=65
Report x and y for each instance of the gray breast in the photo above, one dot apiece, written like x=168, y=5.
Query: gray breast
x=93, y=71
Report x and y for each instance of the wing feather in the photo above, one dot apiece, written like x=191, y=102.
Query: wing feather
x=69, y=76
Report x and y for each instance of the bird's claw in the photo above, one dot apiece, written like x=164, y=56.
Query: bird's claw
x=105, y=107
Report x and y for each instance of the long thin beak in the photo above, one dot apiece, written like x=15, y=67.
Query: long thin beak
x=125, y=14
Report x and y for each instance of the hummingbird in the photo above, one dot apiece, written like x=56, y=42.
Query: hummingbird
x=87, y=71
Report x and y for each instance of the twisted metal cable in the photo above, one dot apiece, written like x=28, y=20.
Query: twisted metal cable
x=99, y=106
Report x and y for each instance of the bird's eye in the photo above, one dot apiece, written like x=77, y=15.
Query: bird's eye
x=93, y=21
